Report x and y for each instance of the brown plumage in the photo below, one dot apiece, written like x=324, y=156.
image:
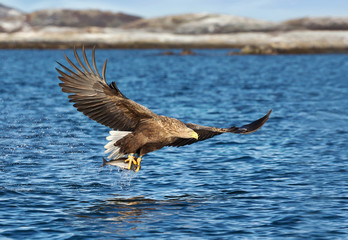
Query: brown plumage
x=137, y=130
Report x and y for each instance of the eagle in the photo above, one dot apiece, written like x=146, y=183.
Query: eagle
x=136, y=130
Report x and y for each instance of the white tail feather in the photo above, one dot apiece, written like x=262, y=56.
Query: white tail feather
x=114, y=154
x=110, y=146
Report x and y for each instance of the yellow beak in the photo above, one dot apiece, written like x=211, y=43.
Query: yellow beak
x=195, y=135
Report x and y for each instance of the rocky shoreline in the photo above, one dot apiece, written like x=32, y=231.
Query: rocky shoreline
x=291, y=42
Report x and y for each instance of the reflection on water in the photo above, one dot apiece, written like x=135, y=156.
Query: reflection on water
x=125, y=209
x=120, y=214
x=135, y=207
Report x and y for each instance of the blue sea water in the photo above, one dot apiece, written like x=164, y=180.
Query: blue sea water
x=289, y=180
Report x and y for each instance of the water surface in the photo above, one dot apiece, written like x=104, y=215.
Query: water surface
x=288, y=180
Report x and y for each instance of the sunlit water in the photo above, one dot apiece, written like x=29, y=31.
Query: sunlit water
x=288, y=180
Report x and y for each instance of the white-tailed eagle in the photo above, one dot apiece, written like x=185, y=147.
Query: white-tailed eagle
x=136, y=129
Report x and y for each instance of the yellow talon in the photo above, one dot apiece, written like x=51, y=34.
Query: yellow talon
x=138, y=162
x=131, y=159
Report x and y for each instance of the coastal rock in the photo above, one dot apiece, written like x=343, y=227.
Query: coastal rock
x=301, y=42
x=78, y=18
x=202, y=23
x=186, y=52
x=11, y=20
x=318, y=23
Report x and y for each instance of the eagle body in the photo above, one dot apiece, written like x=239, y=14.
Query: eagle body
x=153, y=134
x=136, y=130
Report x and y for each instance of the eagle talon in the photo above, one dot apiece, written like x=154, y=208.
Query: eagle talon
x=131, y=160
x=138, y=163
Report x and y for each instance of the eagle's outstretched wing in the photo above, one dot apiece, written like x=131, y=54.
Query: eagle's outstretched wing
x=205, y=132
x=96, y=99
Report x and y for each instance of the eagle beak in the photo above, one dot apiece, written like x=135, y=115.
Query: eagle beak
x=195, y=135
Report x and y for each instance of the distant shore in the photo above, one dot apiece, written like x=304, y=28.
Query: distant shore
x=290, y=42
x=66, y=28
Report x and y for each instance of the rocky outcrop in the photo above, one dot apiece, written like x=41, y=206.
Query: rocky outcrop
x=202, y=23
x=276, y=48
x=78, y=18
x=205, y=23
x=11, y=20
x=318, y=23
x=301, y=42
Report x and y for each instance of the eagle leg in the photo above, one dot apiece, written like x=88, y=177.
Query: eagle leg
x=138, y=162
x=131, y=159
